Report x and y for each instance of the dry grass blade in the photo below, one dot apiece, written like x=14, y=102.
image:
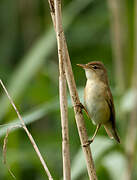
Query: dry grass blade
x=5, y=152
x=5, y=146
x=28, y=134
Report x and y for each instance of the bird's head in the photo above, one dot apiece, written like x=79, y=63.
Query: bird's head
x=95, y=70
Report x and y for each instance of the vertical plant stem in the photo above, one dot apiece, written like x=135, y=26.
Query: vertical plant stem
x=78, y=115
x=134, y=79
x=63, y=95
x=131, y=132
x=74, y=95
x=65, y=130
x=28, y=134
x=79, y=118
x=117, y=38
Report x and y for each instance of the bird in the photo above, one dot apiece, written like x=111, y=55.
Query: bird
x=98, y=99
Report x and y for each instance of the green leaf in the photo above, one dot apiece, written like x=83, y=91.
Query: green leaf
x=36, y=114
x=116, y=164
x=129, y=100
x=32, y=116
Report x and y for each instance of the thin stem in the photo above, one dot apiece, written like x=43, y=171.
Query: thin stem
x=79, y=118
x=28, y=133
x=63, y=95
x=75, y=100
x=118, y=39
x=132, y=126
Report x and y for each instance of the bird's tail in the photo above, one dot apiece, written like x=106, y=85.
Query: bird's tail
x=111, y=131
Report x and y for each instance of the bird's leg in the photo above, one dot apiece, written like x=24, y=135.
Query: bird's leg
x=95, y=133
x=93, y=137
x=83, y=107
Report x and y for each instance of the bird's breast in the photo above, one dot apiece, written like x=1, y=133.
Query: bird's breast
x=95, y=102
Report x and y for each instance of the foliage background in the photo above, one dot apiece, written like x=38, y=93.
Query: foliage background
x=29, y=69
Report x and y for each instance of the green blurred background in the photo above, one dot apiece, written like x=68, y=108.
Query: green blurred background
x=95, y=30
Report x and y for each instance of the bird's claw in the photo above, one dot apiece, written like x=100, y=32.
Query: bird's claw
x=80, y=105
x=87, y=143
x=83, y=107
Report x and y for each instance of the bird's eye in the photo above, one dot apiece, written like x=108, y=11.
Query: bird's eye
x=95, y=67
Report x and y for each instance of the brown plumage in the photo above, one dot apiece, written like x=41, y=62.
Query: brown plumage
x=110, y=127
x=98, y=98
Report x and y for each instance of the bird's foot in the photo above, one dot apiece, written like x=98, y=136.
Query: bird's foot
x=88, y=143
x=83, y=107
x=80, y=105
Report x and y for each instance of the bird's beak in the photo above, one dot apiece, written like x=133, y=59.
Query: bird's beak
x=82, y=65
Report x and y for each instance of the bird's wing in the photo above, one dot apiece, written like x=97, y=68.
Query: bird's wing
x=110, y=126
x=109, y=99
